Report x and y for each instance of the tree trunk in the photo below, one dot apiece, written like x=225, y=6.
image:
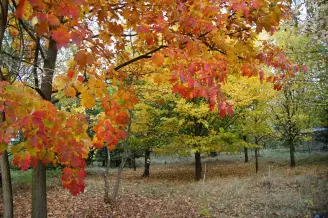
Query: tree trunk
x=106, y=175
x=134, y=161
x=246, y=154
x=256, y=160
x=5, y=168
x=147, y=163
x=6, y=186
x=292, y=151
x=198, y=166
x=39, y=192
x=118, y=176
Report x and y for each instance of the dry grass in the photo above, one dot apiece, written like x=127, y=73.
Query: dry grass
x=231, y=189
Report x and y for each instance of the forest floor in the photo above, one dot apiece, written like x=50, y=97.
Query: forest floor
x=231, y=188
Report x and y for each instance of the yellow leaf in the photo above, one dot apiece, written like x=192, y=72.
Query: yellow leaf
x=87, y=100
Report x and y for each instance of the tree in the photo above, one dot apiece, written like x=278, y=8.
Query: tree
x=251, y=97
x=302, y=102
x=222, y=33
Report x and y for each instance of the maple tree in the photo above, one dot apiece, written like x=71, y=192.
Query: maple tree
x=199, y=42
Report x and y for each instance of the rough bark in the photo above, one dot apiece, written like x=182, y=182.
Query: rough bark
x=4, y=162
x=6, y=187
x=106, y=178
x=291, y=152
x=198, y=166
x=39, y=192
x=256, y=160
x=134, y=161
x=246, y=154
x=147, y=163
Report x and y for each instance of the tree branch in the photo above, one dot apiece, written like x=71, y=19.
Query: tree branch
x=146, y=55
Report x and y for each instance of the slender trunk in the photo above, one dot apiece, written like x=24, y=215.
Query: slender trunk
x=292, y=151
x=39, y=192
x=198, y=166
x=246, y=154
x=256, y=160
x=106, y=175
x=6, y=186
x=5, y=169
x=120, y=169
x=147, y=163
x=118, y=177
x=134, y=161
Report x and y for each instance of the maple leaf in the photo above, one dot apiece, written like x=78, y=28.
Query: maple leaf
x=61, y=36
x=83, y=58
x=87, y=100
x=53, y=20
x=223, y=110
x=158, y=59
x=21, y=7
x=42, y=28
x=70, y=73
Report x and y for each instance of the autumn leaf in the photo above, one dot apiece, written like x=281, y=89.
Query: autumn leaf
x=158, y=59
x=61, y=36
x=87, y=100
x=21, y=7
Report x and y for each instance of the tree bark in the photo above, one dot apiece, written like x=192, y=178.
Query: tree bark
x=256, y=160
x=134, y=161
x=147, y=163
x=246, y=154
x=292, y=151
x=6, y=187
x=118, y=176
x=106, y=175
x=39, y=192
x=198, y=166
x=5, y=168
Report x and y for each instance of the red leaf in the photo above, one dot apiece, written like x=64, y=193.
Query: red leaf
x=25, y=161
x=70, y=73
x=80, y=78
x=230, y=111
x=39, y=114
x=304, y=68
x=34, y=161
x=61, y=36
x=53, y=20
x=261, y=76
x=21, y=8
x=37, y=121
x=42, y=28
x=77, y=38
x=223, y=110
x=81, y=174
x=67, y=174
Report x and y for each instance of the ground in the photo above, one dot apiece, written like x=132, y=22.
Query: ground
x=230, y=188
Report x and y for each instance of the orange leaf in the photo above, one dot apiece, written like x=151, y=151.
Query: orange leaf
x=158, y=59
x=42, y=28
x=21, y=8
x=61, y=36
x=70, y=73
x=53, y=20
